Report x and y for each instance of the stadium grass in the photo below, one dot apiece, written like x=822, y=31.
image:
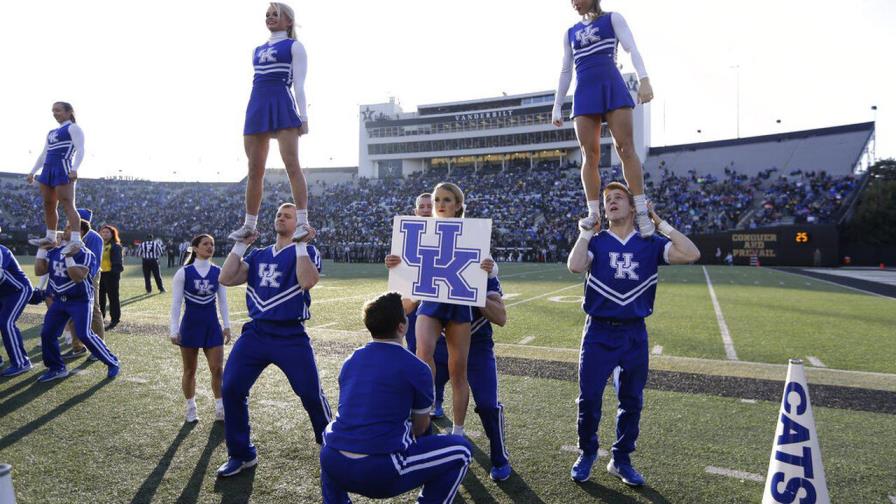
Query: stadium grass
x=95, y=440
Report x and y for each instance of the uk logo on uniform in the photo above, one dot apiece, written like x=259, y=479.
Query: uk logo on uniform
x=267, y=55
x=59, y=269
x=203, y=287
x=53, y=137
x=439, y=266
x=269, y=275
x=587, y=36
x=626, y=268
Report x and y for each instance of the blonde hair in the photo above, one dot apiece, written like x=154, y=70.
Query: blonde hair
x=458, y=195
x=619, y=186
x=281, y=9
x=595, y=10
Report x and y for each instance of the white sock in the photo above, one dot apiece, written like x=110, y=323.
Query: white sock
x=191, y=402
x=76, y=237
x=51, y=234
x=457, y=430
x=594, y=207
x=219, y=404
x=302, y=216
x=251, y=221
x=641, y=203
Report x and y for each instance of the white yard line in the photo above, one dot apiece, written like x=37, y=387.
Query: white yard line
x=731, y=473
x=545, y=294
x=575, y=449
x=527, y=273
x=323, y=325
x=730, y=353
x=815, y=361
x=748, y=401
x=526, y=340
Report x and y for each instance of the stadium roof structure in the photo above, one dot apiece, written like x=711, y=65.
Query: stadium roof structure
x=837, y=150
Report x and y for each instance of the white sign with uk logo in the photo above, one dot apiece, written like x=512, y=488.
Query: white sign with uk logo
x=440, y=259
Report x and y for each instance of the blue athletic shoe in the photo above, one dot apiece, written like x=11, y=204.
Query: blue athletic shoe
x=53, y=374
x=16, y=370
x=113, y=371
x=626, y=473
x=581, y=470
x=500, y=473
x=234, y=466
x=437, y=411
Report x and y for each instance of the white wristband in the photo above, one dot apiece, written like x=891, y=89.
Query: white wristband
x=239, y=249
x=70, y=261
x=301, y=250
x=665, y=228
x=494, y=272
x=41, y=254
x=586, y=235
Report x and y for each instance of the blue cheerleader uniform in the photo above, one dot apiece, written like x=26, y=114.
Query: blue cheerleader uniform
x=199, y=327
x=59, y=153
x=272, y=105
x=600, y=87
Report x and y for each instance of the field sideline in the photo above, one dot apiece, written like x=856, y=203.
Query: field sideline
x=125, y=441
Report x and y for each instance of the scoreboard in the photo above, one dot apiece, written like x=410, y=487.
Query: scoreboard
x=803, y=245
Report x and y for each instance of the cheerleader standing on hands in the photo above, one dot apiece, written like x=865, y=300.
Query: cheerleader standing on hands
x=601, y=95
x=59, y=162
x=274, y=112
x=197, y=285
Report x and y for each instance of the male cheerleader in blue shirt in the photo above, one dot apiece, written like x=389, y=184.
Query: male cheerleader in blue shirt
x=385, y=397
x=619, y=292
x=279, y=278
x=71, y=287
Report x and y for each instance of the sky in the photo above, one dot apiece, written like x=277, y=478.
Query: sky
x=160, y=88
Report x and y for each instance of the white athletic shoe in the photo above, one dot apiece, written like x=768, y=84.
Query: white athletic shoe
x=191, y=414
x=42, y=242
x=242, y=233
x=72, y=248
x=645, y=225
x=300, y=233
x=588, y=223
x=219, y=415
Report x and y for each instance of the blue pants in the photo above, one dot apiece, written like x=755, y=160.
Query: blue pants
x=482, y=374
x=11, y=308
x=80, y=311
x=252, y=353
x=438, y=463
x=604, y=347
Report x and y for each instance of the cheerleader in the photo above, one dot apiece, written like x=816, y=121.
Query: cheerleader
x=454, y=320
x=601, y=95
x=276, y=111
x=196, y=284
x=58, y=165
x=15, y=293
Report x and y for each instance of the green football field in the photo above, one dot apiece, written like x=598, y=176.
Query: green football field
x=89, y=439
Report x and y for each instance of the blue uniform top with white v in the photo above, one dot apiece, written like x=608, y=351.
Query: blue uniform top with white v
x=60, y=148
x=481, y=327
x=380, y=385
x=273, y=63
x=593, y=43
x=61, y=284
x=273, y=293
x=12, y=279
x=201, y=291
x=622, y=282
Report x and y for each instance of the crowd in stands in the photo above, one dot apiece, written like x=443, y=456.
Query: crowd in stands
x=534, y=209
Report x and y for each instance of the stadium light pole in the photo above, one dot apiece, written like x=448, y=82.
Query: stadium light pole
x=737, y=87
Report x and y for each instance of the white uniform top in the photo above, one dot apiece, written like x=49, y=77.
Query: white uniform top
x=299, y=72
x=625, y=38
x=202, y=266
x=77, y=135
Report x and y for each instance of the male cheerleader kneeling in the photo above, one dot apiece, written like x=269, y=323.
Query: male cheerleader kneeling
x=385, y=397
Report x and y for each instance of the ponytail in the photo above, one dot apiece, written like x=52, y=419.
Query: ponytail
x=282, y=9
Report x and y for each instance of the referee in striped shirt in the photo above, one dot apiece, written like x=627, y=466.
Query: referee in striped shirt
x=150, y=251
